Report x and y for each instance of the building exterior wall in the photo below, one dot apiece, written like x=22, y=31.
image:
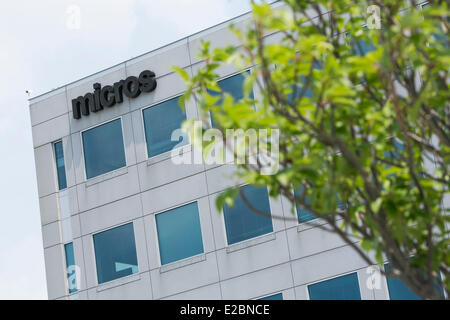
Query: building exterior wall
x=286, y=260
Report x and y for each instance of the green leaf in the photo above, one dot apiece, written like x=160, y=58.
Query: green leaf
x=181, y=72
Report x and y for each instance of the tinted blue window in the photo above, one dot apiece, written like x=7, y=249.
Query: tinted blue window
x=441, y=36
x=103, y=149
x=303, y=215
x=241, y=222
x=179, y=233
x=341, y=288
x=233, y=86
x=308, y=92
x=115, y=253
x=362, y=47
x=70, y=262
x=278, y=296
x=159, y=123
x=398, y=290
x=60, y=167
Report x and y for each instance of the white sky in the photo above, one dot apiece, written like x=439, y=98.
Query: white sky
x=39, y=52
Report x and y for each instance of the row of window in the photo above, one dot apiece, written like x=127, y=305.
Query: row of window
x=103, y=146
x=179, y=237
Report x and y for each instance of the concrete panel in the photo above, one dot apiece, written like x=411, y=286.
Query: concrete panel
x=181, y=279
x=325, y=265
x=112, y=187
x=55, y=271
x=211, y=292
x=70, y=228
x=110, y=215
x=141, y=245
x=255, y=257
x=222, y=177
x=139, y=136
x=68, y=202
x=128, y=140
x=52, y=107
x=153, y=175
x=49, y=209
x=174, y=194
x=136, y=287
x=311, y=241
x=51, y=130
x=51, y=234
x=257, y=284
x=68, y=161
x=79, y=261
x=45, y=170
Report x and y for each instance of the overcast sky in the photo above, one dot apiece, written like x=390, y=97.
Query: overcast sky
x=40, y=50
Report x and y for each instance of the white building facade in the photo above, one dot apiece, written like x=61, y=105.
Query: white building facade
x=120, y=220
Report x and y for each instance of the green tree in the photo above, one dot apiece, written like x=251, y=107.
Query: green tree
x=363, y=115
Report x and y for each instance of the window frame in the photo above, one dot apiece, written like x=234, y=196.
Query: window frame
x=334, y=277
x=167, y=154
x=271, y=294
x=92, y=244
x=56, y=165
x=65, y=269
x=83, y=153
x=248, y=69
x=155, y=228
x=224, y=227
x=313, y=223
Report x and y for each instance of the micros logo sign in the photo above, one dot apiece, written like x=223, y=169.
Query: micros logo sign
x=108, y=96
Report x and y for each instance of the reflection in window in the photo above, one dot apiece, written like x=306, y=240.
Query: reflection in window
x=361, y=47
x=341, y=288
x=159, y=122
x=71, y=270
x=234, y=86
x=179, y=233
x=308, y=92
x=441, y=36
x=398, y=290
x=303, y=215
x=60, y=166
x=241, y=222
x=103, y=149
x=115, y=253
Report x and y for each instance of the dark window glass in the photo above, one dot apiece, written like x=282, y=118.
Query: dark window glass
x=159, y=122
x=70, y=265
x=278, y=296
x=60, y=166
x=341, y=288
x=234, y=86
x=441, y=36
x=115, y=253
x=241, y=222
x=308, y=92
x=103, y=149
x=398, y=290
x=179, y=233
x=361, y=47
x=303, y=215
